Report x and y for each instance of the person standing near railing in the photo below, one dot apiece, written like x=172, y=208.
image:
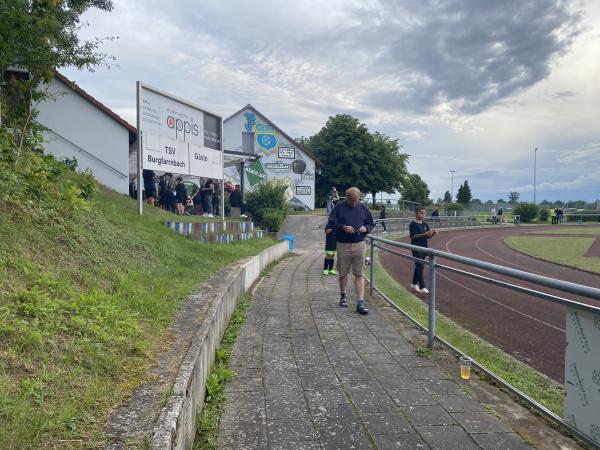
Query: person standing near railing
x=352, y=221
x=382, y=218
x=332, y=198
x=435, y=215
x=419, y=234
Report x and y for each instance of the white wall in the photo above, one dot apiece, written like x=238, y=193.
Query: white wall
x=81, y=130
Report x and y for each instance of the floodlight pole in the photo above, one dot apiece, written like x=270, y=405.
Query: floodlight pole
x=534, y=172
x=452, y=186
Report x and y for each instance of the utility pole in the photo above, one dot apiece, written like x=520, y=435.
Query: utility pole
x=534, y=172
x=452, y=185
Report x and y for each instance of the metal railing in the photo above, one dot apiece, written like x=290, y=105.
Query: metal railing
x=433, y=265
x=401, y=224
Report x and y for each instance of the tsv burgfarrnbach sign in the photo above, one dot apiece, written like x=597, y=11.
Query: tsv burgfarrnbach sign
x=177, y=136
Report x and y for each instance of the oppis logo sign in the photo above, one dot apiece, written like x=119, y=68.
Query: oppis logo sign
x=266, y=140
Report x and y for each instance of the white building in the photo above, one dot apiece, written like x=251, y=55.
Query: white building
x=81, y=127
x=281, y=157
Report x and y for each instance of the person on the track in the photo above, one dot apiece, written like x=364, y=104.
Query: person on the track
x=419, y=233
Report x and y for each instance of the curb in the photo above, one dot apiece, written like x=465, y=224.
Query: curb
x=176, y=425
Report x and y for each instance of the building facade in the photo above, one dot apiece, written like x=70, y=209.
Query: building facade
x=281, y=158
x=78, y=126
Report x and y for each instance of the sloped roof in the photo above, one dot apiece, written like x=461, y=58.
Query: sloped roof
x=105, y=109
x=288, y=137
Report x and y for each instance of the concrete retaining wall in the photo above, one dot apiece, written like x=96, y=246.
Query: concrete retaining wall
x=176, y=425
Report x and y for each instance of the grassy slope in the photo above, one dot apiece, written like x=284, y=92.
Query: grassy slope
x=84, y=306
x=563, y=250
x=541, y=388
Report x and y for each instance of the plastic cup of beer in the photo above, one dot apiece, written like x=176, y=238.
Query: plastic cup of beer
x=465, y=367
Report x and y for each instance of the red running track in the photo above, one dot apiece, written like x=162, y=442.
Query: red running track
x=530, y=329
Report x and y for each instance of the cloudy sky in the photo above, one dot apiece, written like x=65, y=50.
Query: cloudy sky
x=466, y=85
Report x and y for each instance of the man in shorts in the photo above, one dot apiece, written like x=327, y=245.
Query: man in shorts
x=352, y=221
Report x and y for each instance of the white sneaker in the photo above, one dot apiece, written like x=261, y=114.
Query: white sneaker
x=415, y=288
x=424, y=291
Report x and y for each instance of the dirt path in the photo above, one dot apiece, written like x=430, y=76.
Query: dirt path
x=532, y=330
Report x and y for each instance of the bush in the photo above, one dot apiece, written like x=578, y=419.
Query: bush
x=269, y=219
x=454, y=207
x=30, y=179
x=267, y=204
x=528, y=212
x=544, y=215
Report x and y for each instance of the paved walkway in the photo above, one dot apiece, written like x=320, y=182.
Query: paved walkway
x=314, y=375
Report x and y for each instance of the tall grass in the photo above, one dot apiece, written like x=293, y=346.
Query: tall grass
x=85, y=302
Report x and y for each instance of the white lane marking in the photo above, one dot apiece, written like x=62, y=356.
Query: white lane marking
x=491, y=299
x=527, y=269
x=502, y=304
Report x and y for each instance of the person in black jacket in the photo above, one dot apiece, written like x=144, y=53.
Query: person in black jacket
x=419, y=233
x=382, y=218
x=352, y=221
x=235, y=199
x=180, y=196
x=207, y=198
x=216, y=200
x=149, y=185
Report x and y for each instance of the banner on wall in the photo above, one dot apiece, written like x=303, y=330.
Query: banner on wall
x=582, y=372
x=177, y=136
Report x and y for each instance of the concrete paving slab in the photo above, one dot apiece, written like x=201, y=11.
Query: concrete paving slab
x=399, y=441
x=447, y=438
x=500, y=441
x=315, y=375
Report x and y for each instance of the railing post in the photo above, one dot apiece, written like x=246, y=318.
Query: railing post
x=372, y=268
x=431, y=321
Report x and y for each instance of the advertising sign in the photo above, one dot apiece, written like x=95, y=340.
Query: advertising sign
x=178, y=136
x=286, y=152
x=582, y=372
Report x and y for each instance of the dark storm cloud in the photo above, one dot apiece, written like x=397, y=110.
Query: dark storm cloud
x=381, y=55
x=470, y=53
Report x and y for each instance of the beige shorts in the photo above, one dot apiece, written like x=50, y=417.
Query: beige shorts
x=350, y=256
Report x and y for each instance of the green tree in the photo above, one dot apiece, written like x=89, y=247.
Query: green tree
x=354, y=157
x=463, y=196
x=416, y=190
x=513, y=197
x=38, y=37
x=390, y=172
x=447, y=197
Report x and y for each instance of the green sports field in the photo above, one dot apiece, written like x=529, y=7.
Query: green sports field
x=568, y=250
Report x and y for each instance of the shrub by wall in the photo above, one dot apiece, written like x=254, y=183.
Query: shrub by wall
x=267, y=204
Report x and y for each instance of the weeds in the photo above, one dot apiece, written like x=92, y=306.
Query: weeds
x=207, y=426
x=423, y=351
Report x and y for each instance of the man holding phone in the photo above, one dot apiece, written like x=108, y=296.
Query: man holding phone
x=352, y=221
